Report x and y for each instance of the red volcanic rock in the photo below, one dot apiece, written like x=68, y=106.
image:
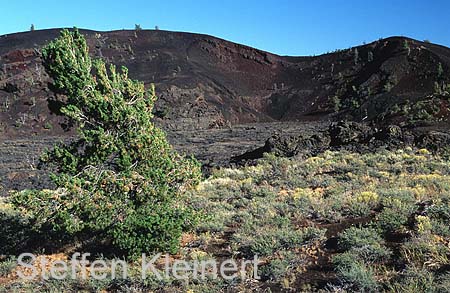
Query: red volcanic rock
x=205, y=82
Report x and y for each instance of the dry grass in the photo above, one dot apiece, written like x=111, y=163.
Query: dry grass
x=291, y=211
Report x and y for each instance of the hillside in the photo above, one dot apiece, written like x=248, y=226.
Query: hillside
x=204, y=82
x=331, y=172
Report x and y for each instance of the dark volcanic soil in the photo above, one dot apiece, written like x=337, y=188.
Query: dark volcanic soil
x=213, y=147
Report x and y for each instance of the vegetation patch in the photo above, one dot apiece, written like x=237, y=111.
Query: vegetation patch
x=289, y=211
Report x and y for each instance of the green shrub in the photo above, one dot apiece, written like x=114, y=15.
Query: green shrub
x=120, y=181
x=440, y=227
x=440, y=217
x=359, y=209
x=373, y=253
x=425, y=251
x=354, y=274
x=395, y=214
x=355, y=237
x=7, y=266
x=278, y=267
x=16, y=232
x=265, y=242
x=415, y=279
x=365, y=243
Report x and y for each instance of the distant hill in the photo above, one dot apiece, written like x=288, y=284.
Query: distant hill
x=206, y=82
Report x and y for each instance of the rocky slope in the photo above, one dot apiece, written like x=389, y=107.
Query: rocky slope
x=205, y=82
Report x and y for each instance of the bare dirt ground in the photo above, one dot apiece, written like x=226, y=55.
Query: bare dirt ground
x=19, y=158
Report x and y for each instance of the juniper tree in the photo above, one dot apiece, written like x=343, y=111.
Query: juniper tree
x=120, y=179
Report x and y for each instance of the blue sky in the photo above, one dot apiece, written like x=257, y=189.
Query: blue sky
x=285, y=27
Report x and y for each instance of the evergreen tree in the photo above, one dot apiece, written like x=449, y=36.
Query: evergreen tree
x=120, y=181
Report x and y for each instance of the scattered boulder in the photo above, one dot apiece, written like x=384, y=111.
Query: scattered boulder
x=355, y=134
x=289, y=146
x=284, y=146
x=390, y=132
x=393, y=135
x=434, y=140
x=347, y=132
